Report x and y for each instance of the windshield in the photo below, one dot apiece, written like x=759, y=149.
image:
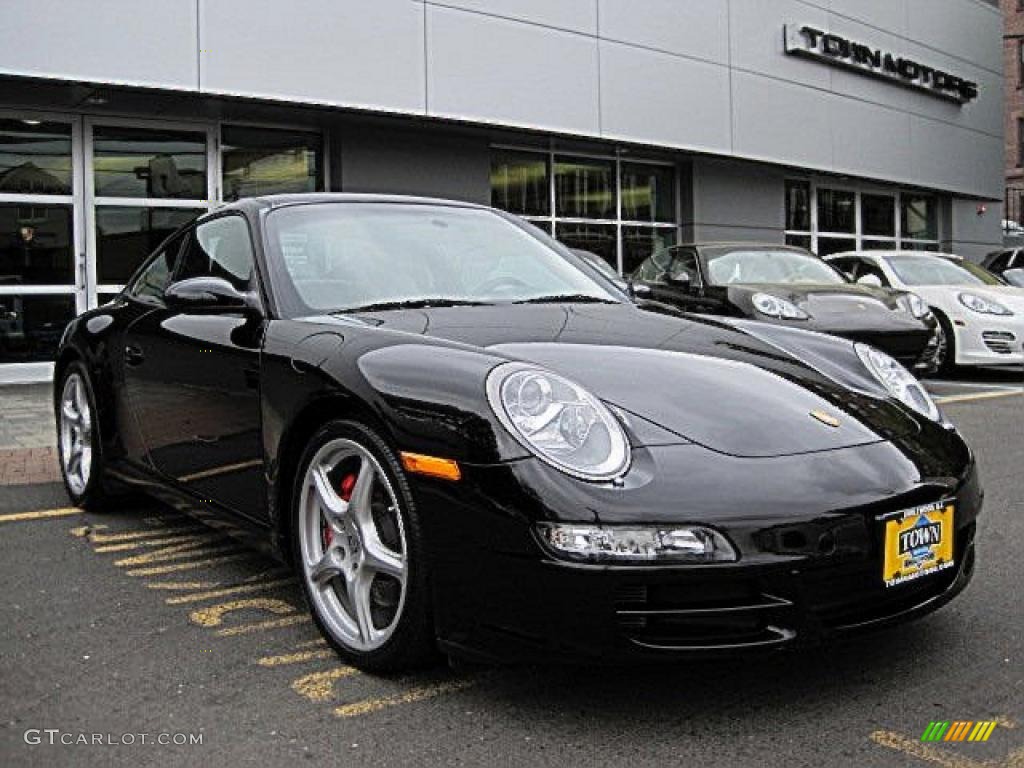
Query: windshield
x=334, y=257
x=934, y=270
x=769, y=266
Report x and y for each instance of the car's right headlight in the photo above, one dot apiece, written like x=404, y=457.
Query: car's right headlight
x=558, y=421
x=897, y=380
x=982, y=305
x=913, y=304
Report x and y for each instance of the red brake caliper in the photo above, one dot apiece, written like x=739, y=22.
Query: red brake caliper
x=347, y=484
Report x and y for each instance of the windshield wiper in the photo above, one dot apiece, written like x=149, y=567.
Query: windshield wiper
x=412, y=304
x=567, y=298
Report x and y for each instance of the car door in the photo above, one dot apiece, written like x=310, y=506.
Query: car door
x=193, y=375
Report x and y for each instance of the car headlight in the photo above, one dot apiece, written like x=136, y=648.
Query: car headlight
x=898, y=381
x=558, y=421
x=630, y=544
x=914, y=304
x=773, y=306
x=984, y=306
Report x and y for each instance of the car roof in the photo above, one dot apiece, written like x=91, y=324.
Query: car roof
x=264, y=202
x=919, y=254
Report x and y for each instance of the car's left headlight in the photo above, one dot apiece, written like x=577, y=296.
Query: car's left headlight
x=558, y=421
x=898, y=381
x=913, y=304
x=982, y=305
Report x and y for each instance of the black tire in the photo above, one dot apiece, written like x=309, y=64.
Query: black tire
x=412, y=643
x=95, y=497
x=948, y=365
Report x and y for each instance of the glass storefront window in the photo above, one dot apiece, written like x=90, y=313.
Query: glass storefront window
x=638, y=243
x=35, y=157
x=648, y=193
x=520, y=183
x=837, y=211
x=596, y=238
x=920, y=217
x=148, y=163
x=584, y=188
x=260, y=161
x=799, y=241
x=830, y=245
x=542, y=224
x=127, y=235
x=798, y=206
x=878, y=215
x=878, y=245
x=36, y=244
x=31, y=326
x=912, y=246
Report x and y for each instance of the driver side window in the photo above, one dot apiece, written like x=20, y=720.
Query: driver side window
x=684, y=265
x=219, y=248
x=156, y=276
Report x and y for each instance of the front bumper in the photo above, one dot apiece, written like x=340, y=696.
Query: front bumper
x=990, y=341
x=500, y=597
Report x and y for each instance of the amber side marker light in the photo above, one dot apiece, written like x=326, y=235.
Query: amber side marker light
x=432, y=466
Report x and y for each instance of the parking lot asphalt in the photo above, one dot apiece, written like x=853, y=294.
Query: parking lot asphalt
x=137, y=621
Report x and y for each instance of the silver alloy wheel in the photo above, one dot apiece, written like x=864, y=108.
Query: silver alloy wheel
x=75, y=434
x=356, y=577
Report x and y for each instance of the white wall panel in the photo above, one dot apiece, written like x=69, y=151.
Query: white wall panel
x=948, y=157
x=869, y=140
x=757, y=41
x=117, y=41
x=574, y=15
x=890, y=15
x=499, y=71
x=964, y=28
x=364, y=54
x=656, y=98
x=695, y=28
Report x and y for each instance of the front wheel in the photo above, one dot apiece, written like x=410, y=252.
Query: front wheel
x=78, y=444
x=360, y=551
x=946, y=356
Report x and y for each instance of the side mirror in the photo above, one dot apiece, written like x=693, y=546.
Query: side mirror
x=208, y=293
x=1015, y=276
x=678, y=280
x=871, y=280
x=639, y=290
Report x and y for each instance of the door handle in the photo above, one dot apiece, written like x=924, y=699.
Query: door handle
x=133, y=355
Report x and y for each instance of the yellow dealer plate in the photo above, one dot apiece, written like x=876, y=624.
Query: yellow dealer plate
x=918, y=542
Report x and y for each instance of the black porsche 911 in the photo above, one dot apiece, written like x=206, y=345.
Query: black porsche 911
x=465, y=438
x=791, y=286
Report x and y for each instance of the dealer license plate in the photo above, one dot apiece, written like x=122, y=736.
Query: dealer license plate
x=918, y=543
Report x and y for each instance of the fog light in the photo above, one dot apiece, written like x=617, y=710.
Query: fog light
x=614, y=544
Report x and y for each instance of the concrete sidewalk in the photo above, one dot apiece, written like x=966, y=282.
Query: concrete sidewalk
x=28, y=452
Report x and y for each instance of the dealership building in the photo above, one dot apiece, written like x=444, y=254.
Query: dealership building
x=619, y=126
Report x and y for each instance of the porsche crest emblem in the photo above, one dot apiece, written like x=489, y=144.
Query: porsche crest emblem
x=826, y=419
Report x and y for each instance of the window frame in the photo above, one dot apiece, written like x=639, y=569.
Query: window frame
x=255, y=283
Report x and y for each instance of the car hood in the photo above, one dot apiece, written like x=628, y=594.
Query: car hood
x=843, y=303
x=703, y=380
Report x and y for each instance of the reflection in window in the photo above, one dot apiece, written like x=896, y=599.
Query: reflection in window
x=31, y=326
x=648, y=193
x=125, y=236
x=798, y=206
x=258, y=161
x=879, y=245
x=585, y=189
x=800, y=241
x=920, y=217
x=520, y=183
x=36, y=245
x=156, y=276
x=35, y=157
x=140, y=162
x=830, y=245
x=640, y=242
x=837, y=211
x=878, y=215
x=599, y=239
x=219, y=248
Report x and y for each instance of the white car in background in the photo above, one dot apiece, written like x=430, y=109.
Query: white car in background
x=982, y=318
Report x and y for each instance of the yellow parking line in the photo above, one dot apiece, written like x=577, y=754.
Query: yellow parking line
x=260, y=626
x=111, y=538
x=977, y=396
x=240, y=589
x=409, y=697
x=84, y=530
x=296, y=658
x=213, y=615
x=41, y=514
x=319, y=686
x=183, y=586
x=922, y=751
x=175, y=567
x=177, y=552
x=141, y=543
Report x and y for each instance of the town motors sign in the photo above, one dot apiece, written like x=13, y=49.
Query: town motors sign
x=838, y=51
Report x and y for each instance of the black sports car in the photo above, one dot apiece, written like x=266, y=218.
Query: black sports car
x=791, y=286
x=465, y=437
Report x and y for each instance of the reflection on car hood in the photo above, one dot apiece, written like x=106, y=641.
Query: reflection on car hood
x=700, y=378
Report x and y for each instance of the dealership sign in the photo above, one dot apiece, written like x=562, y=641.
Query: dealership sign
x=839, y=51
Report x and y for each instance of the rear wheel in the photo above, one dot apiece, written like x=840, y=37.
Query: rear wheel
x=360, y=551
x=78, y=444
